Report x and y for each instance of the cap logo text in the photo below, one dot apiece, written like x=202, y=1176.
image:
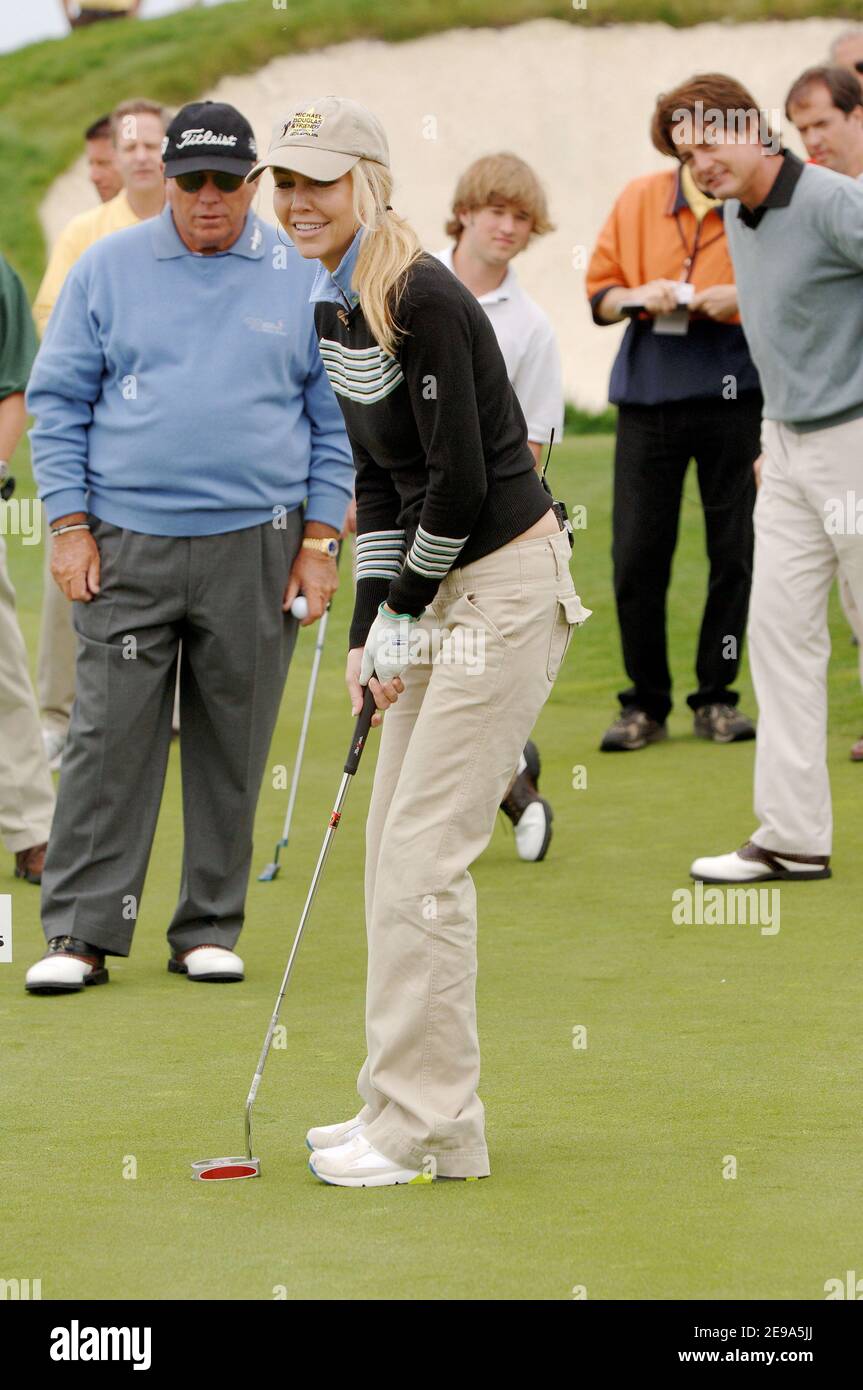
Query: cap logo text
x=302, y=123
x=199, y=136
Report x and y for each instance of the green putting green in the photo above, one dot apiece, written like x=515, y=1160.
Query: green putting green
x=704, y=1044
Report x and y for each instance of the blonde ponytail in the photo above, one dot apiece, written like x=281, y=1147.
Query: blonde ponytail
x=387, y=251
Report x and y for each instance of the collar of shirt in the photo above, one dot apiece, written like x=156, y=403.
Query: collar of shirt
x=168, y=244
x=505, y=290
x=689, y=195
x=780, y=194
x=335, y=286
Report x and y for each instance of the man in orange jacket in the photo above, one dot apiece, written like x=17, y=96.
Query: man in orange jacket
x=685, y=387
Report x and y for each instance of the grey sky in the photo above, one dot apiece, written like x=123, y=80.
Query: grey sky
x=26, y=21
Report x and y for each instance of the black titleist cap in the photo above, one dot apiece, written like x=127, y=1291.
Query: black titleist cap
x=209, y=135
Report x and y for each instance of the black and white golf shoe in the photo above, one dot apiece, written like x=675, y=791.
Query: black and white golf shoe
x=67, y=966
x=211, y=964
x=529, y=812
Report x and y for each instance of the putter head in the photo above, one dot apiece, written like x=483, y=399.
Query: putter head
x=268, y=873
x=218, y=1169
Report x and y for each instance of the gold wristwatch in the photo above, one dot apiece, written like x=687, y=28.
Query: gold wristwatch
x=327, y=545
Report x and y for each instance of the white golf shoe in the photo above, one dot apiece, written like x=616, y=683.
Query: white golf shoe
x=533, y=831
x=211, y=964
x=68, y=965
x=330, y=1136
x=357, y=1164
x=754, y=864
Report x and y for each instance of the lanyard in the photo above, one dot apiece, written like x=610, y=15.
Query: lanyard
x=690, y=256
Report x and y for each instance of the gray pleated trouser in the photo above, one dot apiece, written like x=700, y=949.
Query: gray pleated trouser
x=221, y=596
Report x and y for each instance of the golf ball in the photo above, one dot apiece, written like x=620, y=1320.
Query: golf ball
x=300, y=606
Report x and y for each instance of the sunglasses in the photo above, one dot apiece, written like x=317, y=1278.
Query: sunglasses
x=193, y=183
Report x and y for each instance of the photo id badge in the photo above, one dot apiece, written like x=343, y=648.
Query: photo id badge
x=676, y=322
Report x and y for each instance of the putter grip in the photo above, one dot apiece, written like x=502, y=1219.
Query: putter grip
x=361, y=732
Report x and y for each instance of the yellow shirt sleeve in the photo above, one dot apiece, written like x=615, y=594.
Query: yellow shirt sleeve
x=70, y=244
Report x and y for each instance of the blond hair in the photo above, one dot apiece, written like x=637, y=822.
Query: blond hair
x=387, y=251
x=506, y=177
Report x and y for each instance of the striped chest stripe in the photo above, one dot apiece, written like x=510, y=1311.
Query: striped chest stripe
x=365, y=375
x=433, y=556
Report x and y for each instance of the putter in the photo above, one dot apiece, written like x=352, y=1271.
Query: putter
x=299, y=608
x=210, y=1169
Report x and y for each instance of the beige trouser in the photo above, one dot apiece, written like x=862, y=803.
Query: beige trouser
x=807, y=480
x=55, y=669
x=26, y=789
x=447, y=754
x=854, y=616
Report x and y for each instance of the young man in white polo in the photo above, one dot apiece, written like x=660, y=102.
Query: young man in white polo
x=826, y=106
x=498, y=207
x=796, y=238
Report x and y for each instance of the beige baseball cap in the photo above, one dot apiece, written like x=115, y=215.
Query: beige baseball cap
x=323, y=139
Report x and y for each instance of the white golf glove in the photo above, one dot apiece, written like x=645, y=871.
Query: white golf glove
x=386, y=653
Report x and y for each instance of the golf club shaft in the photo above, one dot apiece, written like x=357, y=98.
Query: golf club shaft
x=358, y=741
x=307, y=716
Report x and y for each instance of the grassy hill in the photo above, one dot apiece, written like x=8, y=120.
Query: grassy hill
x=50, y=91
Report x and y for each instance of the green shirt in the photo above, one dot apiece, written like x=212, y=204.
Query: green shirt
x=17, y=334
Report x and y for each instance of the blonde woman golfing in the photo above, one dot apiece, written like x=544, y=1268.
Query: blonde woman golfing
x=464, y=610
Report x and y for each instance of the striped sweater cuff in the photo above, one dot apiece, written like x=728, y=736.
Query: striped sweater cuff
x=434, y=556
x=429, y=560
x=380, y=554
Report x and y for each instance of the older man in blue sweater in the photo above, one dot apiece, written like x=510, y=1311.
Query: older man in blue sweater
x=196, y=474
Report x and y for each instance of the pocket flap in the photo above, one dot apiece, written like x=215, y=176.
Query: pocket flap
x=575, y=611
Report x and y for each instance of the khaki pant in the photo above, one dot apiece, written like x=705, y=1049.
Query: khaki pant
x=55, y=670
x=854, y=617
x=807, y=482
x=447, y=754
x=26, y=789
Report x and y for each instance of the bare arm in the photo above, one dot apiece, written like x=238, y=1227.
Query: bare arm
x=13, y=419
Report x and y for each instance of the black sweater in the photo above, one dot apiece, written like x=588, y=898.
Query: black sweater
x=444, y=474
